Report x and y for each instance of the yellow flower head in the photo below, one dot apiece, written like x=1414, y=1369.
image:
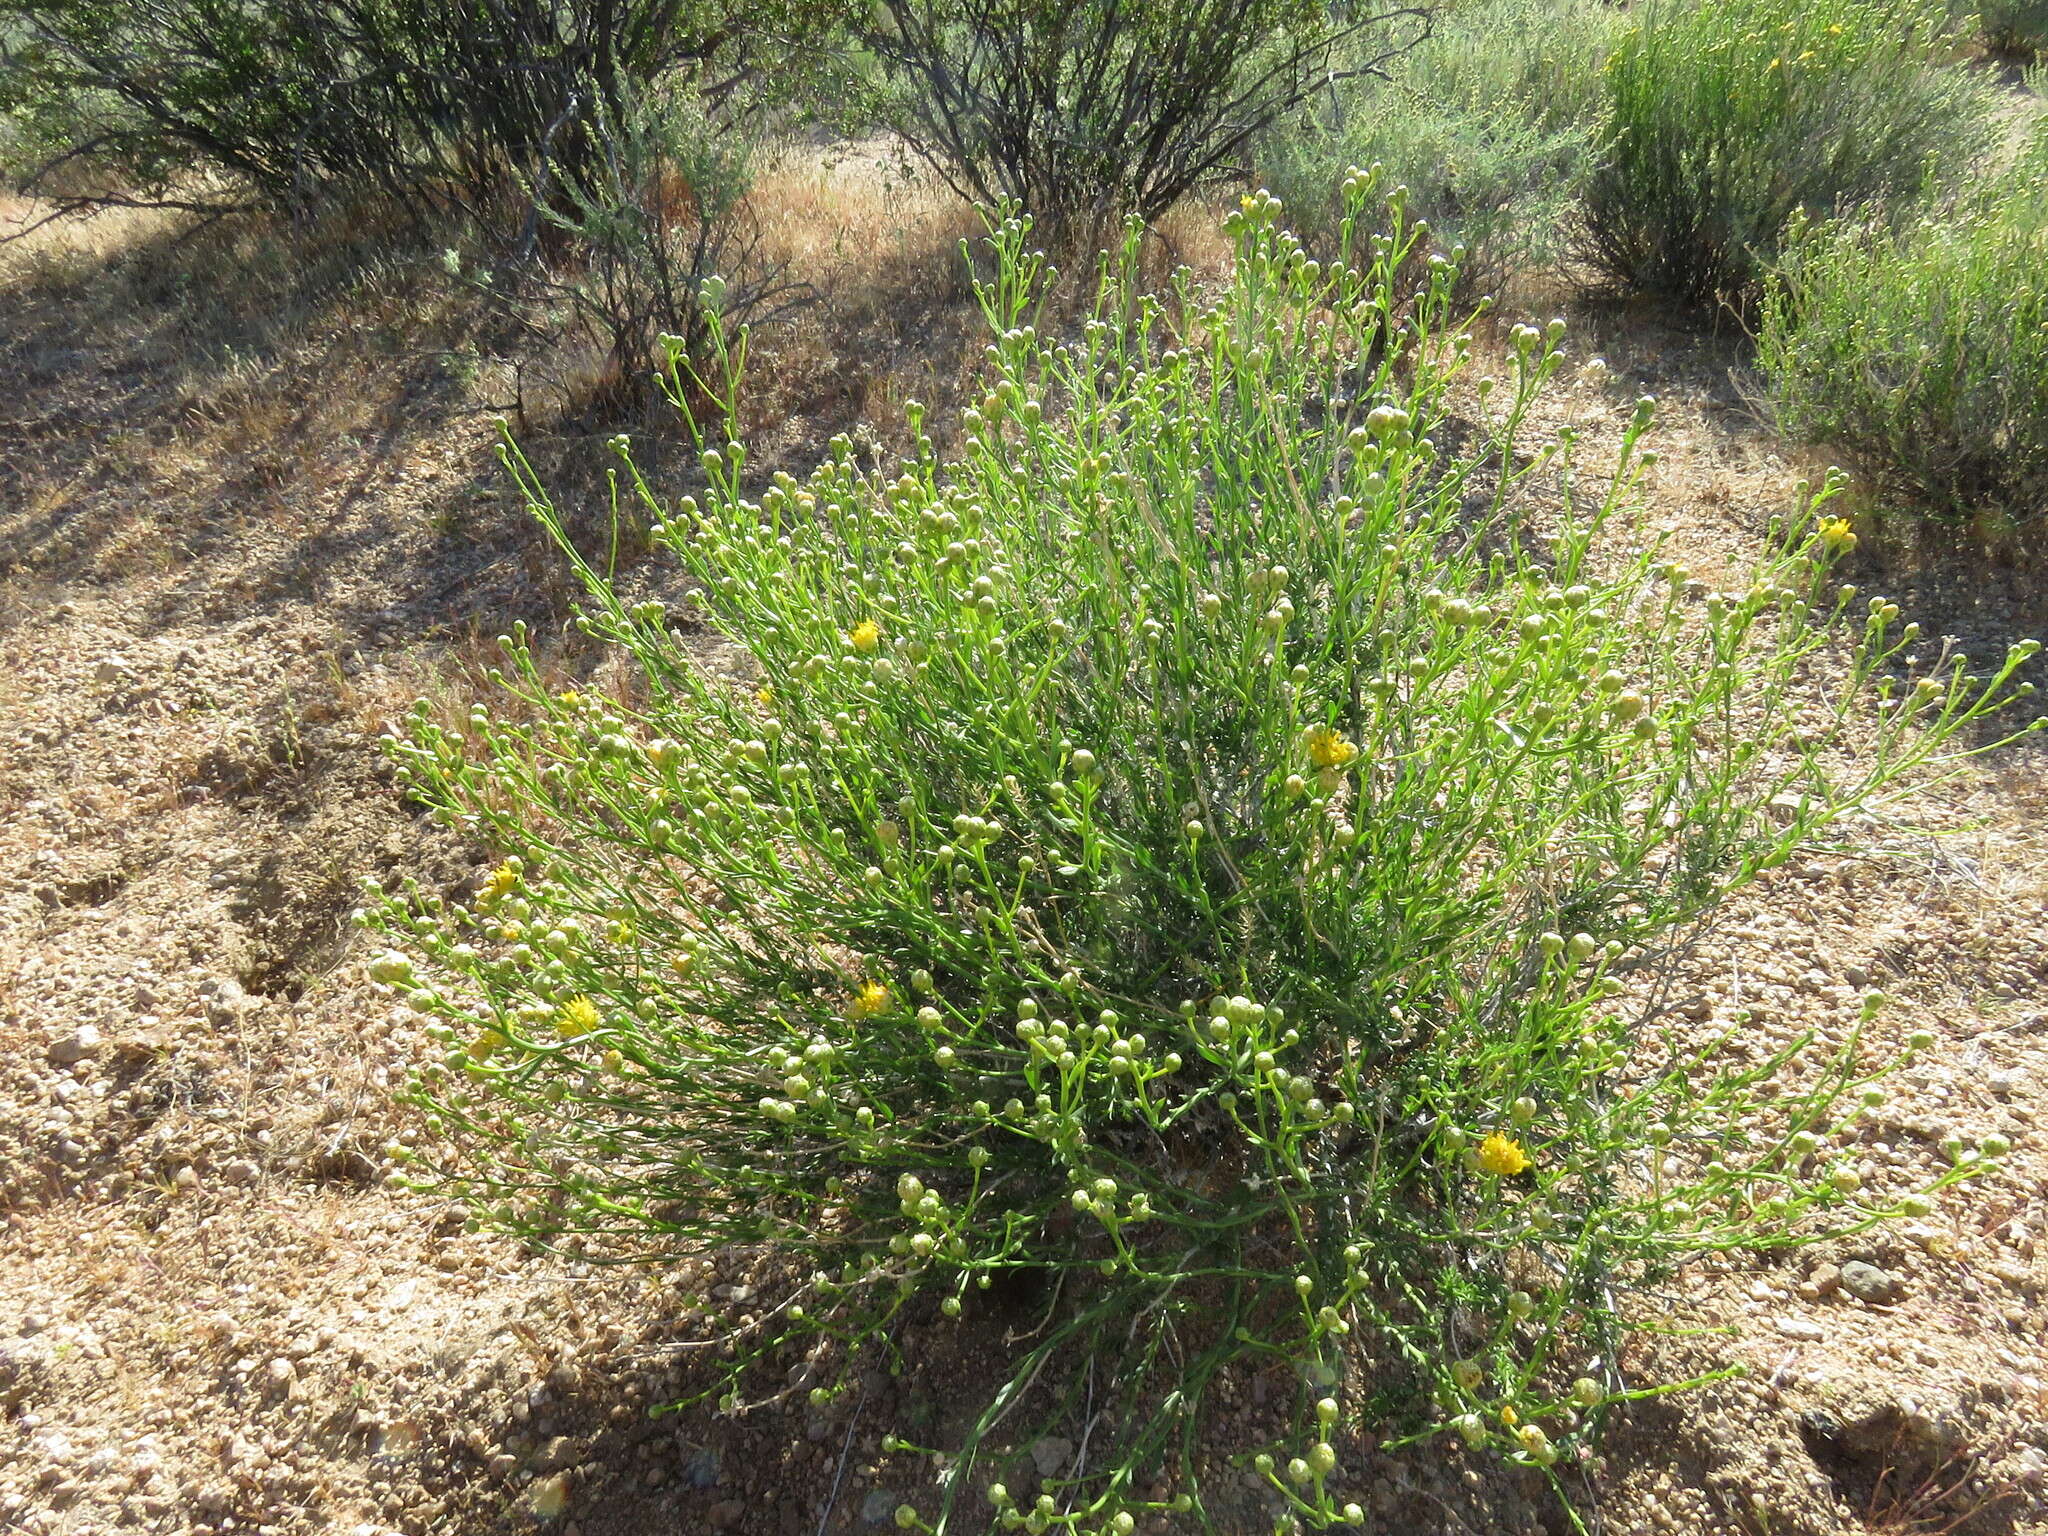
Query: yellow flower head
x=872, y=999
x=683, y=963
x=1836, y=534
x=1327, y=749
x=484, y=1044
x=1502, y=1156
x=503, y=879
x=865, y=635
x=765, y=695
x=578, y=1017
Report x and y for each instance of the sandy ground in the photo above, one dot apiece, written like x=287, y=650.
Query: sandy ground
x=248, y=511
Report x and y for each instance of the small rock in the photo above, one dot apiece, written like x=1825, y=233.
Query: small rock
x=80, y=1045
x=878, y=1508
x=241, y=1172
x=1824, y=1281
x=701, y=1469
x=227, y=1004
x=111, y=669
x=726, y=1514
x=550, y=1496
x=1799, y=1328
x=1871, y=1285
x=1050, y=1453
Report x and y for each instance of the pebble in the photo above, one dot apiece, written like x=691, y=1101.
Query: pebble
x=1871, y=1285
x=879, y=1507
x=1822, y=1282
x=1050, y=1453
x=81, y=1044
x=550, y=1496
x=1799, y=1328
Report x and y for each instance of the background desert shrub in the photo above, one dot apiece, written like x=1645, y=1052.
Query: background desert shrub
x=658, y=235
x=1084, y=111
x=1489, y=122
x=1728, y=117
x=1199, y=852
x=2015, y=28
x=1922, y=353
x=475, y=105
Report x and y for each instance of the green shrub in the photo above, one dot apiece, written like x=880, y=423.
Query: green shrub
x=658, y=235
x=1923, y=353
x=481, y=106
x=1084, y=111
x=1730, y=116
x=2015, y=28
x=1198, y=851
x=1489, y=122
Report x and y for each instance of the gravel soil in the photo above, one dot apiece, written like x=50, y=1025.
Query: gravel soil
x=236, y=542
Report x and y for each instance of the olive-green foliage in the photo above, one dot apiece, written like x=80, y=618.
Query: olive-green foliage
x=1084, y=111
x=1923, y=352
x=2016, y=28
x=1728, y=117
x=1200, y=851
x=480, y=105
x=1489, y=122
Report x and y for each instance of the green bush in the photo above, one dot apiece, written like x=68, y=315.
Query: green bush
x=1730, y=116
x=1198, y=852
x=2015, y=28
x=481, y=106
x=658, y=236
x=1489, y=122
x=1923, y=353
x=1084, y=111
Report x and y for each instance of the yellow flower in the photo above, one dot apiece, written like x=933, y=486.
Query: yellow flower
x=484, y=1044
x=1502, y=1156
x=684, y=963
x=765, y=695
x=578, y=1017
x=499, y=886
x=872, y=999
x=570, y=697
x=1836, y=534
x=865, y=635
x=1326, y=749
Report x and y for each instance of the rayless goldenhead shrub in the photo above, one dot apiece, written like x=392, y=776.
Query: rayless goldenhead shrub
x=1923, y=353
x=1728, y=117
x=1198, y=859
